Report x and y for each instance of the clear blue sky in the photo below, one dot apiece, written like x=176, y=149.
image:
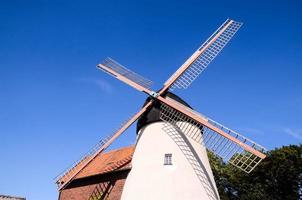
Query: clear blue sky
x=55, y=104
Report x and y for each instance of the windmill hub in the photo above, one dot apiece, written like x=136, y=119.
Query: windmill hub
x=154, y=94
x=153, y=114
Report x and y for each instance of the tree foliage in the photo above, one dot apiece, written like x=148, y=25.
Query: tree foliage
x=277, y=177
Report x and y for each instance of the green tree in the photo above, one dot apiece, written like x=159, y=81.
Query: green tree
x=277, y=177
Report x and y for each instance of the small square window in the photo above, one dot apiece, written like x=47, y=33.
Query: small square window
x=168, y=159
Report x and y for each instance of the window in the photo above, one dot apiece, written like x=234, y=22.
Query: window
x=168, y=159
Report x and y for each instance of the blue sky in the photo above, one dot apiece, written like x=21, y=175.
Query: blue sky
x=55, y=104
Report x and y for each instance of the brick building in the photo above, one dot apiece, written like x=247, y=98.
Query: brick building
x=103, y=178
x=6, y=197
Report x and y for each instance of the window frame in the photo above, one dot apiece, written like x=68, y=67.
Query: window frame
x=168, y=159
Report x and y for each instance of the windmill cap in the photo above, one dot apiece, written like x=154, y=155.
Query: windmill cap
x=153, y=114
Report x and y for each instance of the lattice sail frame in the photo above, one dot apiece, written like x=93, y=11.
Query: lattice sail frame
x=209, y=53
x=68, y=174
x=123, y=71
x=221, y=146
x=72, y=169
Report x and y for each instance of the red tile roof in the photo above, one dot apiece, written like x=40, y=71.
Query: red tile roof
x=107, y=162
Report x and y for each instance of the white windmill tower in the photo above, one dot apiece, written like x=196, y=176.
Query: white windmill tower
x=170, y=159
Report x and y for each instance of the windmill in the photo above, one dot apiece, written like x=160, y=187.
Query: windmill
x=188, y=131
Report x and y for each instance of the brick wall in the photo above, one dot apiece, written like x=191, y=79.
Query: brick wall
x=82, y=189
x=117, y=190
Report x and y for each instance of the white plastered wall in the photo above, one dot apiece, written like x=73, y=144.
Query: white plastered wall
x=189, y=176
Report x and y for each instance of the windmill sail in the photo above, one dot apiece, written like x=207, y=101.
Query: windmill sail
x=120, y=72
x=203, y=56
x=63, y=177
x=66, y=177
x=225, y=143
